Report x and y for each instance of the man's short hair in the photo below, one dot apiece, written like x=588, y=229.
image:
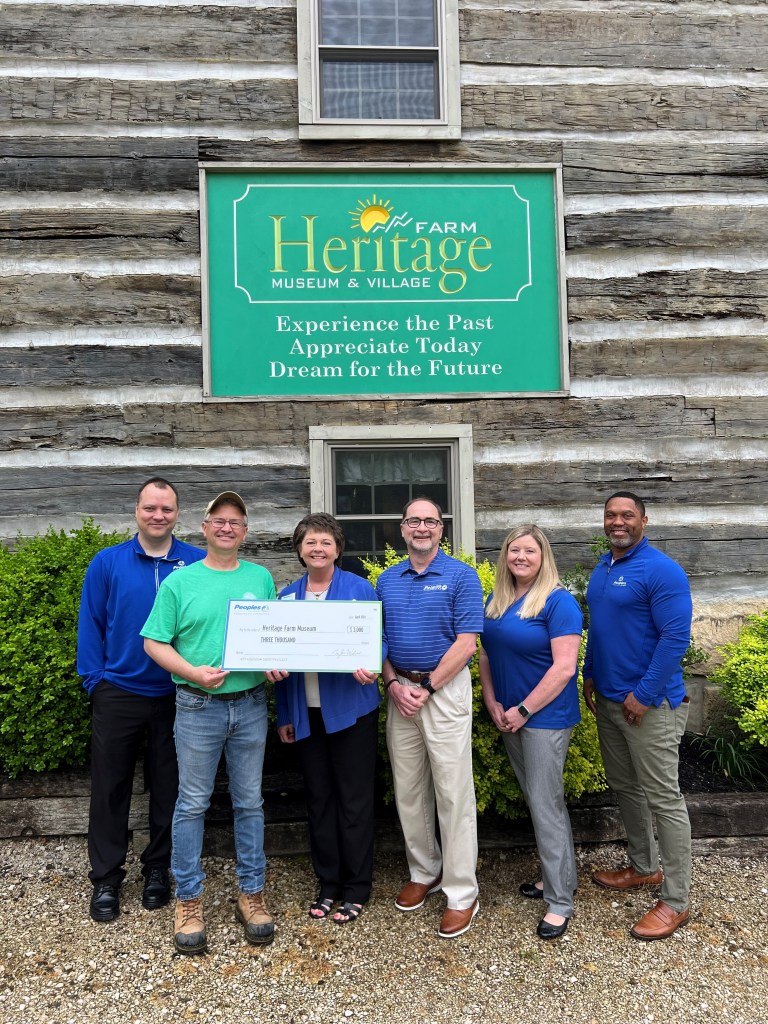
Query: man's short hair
x=633, y=497
x=157, y=481
x=421, y=497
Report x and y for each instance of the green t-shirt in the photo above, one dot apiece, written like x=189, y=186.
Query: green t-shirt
x=190, y=612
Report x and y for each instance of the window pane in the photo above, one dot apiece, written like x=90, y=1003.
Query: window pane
x=385, y=23
x=358, y=537
x=390, y=498
x=352, y=499
x=379, y=90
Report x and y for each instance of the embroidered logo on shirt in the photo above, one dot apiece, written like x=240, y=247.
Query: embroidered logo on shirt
x=435, y=586
x=620, y=582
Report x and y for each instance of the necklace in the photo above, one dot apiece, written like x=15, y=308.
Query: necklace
x=318, y=594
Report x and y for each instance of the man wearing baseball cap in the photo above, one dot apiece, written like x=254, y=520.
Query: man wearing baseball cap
x=216, y=712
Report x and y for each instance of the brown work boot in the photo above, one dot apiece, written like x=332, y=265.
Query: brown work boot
x=251, y=912
x=626, y=878
x=189, y=927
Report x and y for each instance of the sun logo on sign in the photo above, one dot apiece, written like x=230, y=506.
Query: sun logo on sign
x=371, y=213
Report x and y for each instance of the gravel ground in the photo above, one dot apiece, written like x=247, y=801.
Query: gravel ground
x=59, y=967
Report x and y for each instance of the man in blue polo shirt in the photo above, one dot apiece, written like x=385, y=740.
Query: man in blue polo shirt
x=639, y=629
x=433, y=612
x=132, y=698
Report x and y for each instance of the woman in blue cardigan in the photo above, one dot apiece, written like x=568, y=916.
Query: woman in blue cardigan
x=333, y=719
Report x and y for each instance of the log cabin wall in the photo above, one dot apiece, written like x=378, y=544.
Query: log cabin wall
x=657, y=112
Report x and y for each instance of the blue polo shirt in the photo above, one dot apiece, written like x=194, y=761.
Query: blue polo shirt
x=639, y=627
x=424, y=612
x=520, y=654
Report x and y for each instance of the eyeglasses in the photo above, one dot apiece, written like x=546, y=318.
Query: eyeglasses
x=414, y=521
x=219, y=524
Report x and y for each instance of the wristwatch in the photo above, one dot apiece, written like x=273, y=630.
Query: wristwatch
x=426, y=684
x=523, y=710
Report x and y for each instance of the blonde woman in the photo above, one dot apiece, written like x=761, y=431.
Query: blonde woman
x=529, y=676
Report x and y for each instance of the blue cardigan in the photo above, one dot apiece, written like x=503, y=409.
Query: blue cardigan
x=343, y=700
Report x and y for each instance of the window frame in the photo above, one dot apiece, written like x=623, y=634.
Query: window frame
x=456, y=437
x=312, y=126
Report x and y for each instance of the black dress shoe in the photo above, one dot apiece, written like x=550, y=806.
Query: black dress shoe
x=105, y=903
x=546, y=930
x=531, y=891
x=157, y=889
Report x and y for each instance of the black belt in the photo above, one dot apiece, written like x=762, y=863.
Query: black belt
x=200, y=692
x=414, y=677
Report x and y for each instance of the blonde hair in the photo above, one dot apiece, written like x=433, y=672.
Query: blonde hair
x=546, y=580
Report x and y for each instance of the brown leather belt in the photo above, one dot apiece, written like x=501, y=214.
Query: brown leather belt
x=414, y=677
x=200, y=692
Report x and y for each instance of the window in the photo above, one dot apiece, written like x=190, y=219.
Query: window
x=388, y=69
x=364, y=477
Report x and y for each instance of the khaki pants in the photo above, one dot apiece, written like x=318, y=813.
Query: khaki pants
x=431, y=756
x=641, y=768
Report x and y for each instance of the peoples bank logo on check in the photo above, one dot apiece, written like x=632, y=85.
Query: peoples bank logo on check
x=432, y=240
x=249, y=606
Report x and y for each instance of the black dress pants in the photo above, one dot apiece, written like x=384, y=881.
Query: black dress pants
x=121, y=721
x=339, y=770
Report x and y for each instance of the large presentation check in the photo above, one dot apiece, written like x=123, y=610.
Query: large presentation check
x=303, y=636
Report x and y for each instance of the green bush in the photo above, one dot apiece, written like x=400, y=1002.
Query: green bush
x=496, y=787
x=743, y=679
x=44, y=715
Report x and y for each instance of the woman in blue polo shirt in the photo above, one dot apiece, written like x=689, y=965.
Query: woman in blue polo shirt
x=528, y=670
x=333, y=719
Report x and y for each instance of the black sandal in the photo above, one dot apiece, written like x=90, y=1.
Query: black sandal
x=347, y=913
x=321, y=908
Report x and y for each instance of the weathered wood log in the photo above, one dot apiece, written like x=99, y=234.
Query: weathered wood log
x=676, y=36
x=700, y=165
x=736, y=416
x=720, y=38
x=60, y=816
x=283, y=486
x=98, y=234
x=701, y=227
x=669, y=356
x=107, y=366
x=499, y=485
x=273, y=102
x=68, y=300
x=113, y=32
x=85, y=101
x=673, y=295
x=476, y=151
x=200, y=425
x=626, y=107
x=72, y=164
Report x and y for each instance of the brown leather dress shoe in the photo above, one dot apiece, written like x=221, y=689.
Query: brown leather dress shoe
x=456, y=922
x=413, y=894
x=626, y=878
x=659, y=923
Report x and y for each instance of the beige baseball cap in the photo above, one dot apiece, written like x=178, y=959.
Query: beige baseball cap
x=227, y=498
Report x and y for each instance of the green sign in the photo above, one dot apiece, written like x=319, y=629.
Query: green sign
x=348, y=282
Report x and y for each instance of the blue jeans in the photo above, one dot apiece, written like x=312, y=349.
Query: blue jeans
x=204, y=728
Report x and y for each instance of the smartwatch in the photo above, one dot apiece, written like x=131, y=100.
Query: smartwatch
x=426, y=684
x=523, y=710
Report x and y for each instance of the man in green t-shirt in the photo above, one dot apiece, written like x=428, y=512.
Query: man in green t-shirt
x=216, y=712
